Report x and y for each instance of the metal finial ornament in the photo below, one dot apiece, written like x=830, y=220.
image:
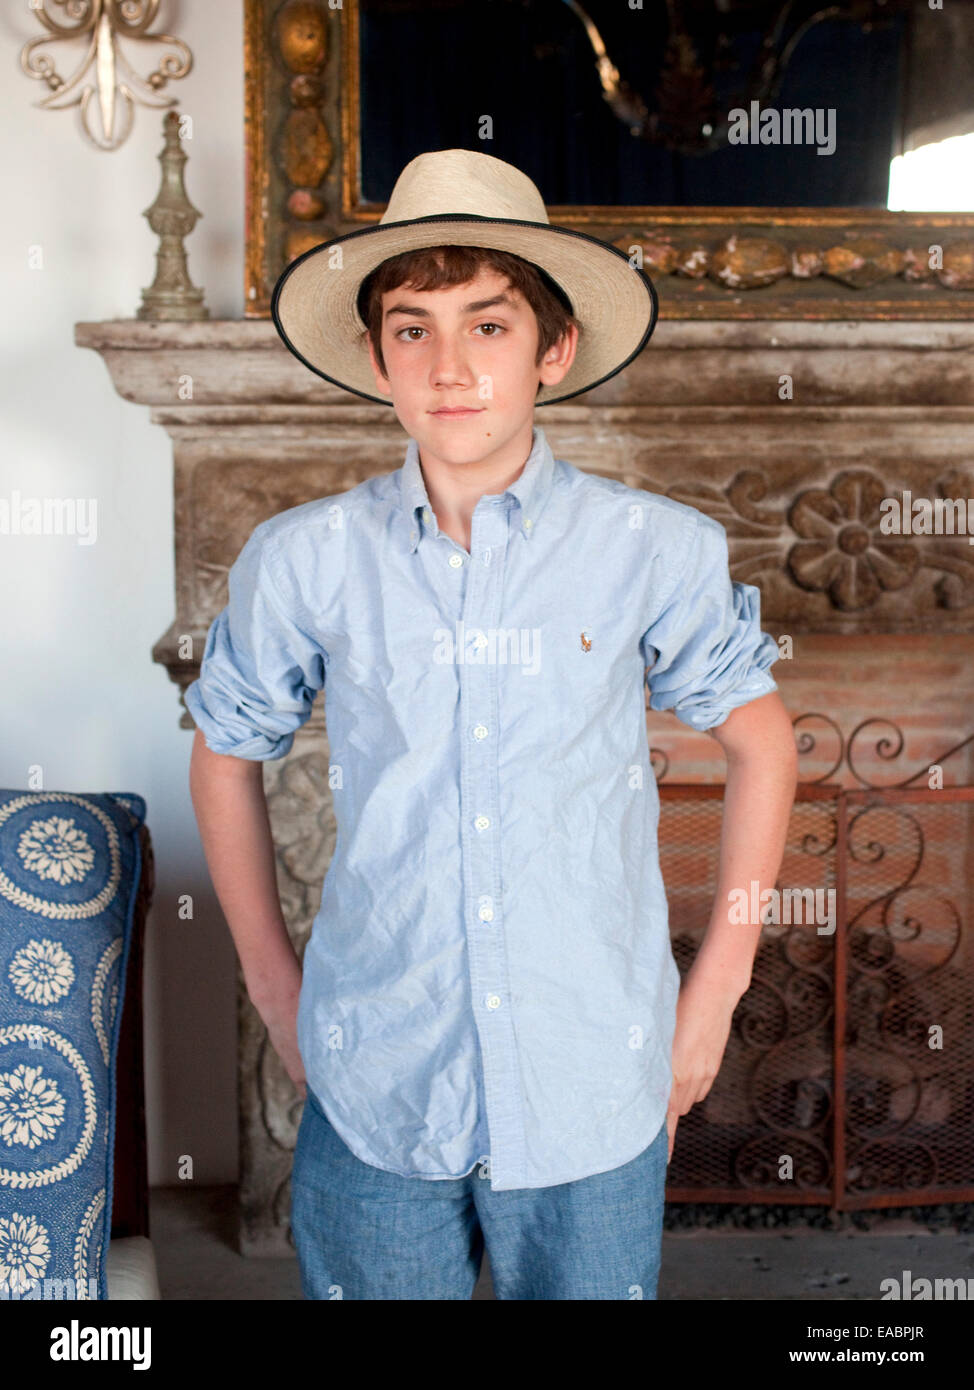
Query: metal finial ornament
x=112, y=78
x=172, y=295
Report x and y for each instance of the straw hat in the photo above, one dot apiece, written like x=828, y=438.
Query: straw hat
x=463, y=197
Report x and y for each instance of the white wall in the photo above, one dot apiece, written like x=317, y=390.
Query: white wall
x=80, y=694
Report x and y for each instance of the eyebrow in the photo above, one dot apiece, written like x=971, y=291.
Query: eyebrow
x=414, y=311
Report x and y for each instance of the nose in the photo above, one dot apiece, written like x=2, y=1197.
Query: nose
x=449, y=366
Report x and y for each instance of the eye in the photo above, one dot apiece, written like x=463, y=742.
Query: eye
x=417, y=328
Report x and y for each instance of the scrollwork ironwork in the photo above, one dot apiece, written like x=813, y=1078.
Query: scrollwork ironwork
x=116, y=85
x=888, y=747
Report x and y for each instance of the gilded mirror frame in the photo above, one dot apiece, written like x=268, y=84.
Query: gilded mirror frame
x=303, y=163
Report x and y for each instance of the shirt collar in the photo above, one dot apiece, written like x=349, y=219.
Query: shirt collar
x=530, y=489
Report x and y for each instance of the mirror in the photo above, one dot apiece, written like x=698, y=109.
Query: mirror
x=743, y=148
x=691, y=104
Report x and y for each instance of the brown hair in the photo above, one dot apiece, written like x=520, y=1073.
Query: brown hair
x=438, y=267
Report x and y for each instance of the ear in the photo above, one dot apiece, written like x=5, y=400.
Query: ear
x=559, y=357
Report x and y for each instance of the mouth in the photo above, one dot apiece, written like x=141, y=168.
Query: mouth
x=456, y=412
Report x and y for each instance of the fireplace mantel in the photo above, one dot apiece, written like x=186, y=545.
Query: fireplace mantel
x=786, y=432
x=875, y=409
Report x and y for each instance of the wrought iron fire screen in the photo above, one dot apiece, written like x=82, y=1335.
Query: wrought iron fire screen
x=848, y=1079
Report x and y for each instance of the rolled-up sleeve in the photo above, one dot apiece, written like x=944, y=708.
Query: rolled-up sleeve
x=260, y=669
x=705, y=649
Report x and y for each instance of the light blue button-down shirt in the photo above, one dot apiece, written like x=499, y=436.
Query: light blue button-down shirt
x=489, y=980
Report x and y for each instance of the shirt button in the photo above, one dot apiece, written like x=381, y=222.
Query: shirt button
x=481, y=823
x=456, y=560
x=492, y=1001
x=486, y=914
x=480, y=731
x=480, y=640
x=426, y=513
x=528, y=523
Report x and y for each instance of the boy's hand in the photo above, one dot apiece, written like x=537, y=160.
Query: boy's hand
x=704, y=1011
x=280, y=1018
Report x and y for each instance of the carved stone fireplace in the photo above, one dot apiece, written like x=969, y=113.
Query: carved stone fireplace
x=790, y=433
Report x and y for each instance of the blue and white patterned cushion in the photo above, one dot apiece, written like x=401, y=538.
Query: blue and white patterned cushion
x=69, y=873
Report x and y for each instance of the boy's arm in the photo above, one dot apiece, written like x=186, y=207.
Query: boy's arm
x=762, y=774
x=231, y=812
x=261, y=669
x=707, y=661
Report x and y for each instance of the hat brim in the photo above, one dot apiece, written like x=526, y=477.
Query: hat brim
x=314, y=303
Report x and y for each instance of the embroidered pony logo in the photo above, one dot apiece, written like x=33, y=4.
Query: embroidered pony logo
x=586, y=641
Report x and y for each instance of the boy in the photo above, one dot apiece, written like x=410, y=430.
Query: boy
x=489, y=1027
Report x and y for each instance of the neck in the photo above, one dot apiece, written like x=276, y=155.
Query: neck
x=454, y=489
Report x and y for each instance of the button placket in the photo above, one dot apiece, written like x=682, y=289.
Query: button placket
x=479, y=751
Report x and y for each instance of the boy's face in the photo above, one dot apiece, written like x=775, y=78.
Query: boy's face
x=470, y=346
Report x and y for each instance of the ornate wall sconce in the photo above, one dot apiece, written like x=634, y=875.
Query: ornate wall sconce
x=111, y=78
